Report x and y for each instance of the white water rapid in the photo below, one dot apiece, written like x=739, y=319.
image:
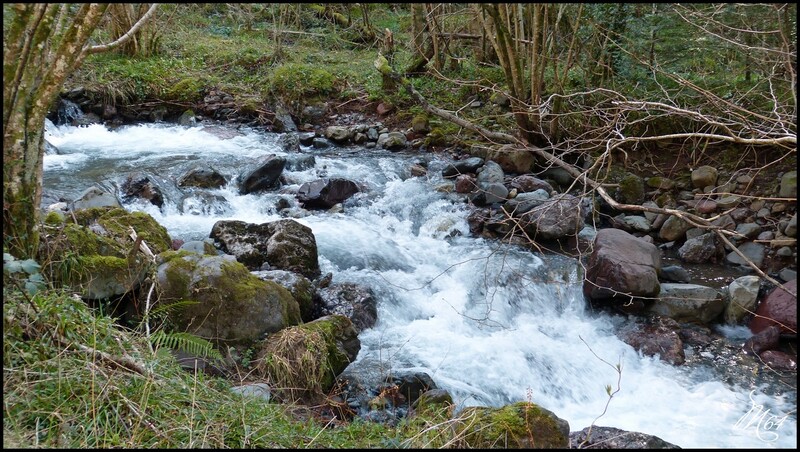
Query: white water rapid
x=491, y=323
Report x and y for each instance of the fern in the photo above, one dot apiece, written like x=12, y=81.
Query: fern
x=186, y=342
x=164, y=308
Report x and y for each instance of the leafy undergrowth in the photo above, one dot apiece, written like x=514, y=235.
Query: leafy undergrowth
x=75, y=379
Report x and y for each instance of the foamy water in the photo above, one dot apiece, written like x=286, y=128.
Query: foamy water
x=491, y=323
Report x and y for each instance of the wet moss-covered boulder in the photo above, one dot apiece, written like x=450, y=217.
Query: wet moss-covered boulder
x=217, y=298
x=96, y=255
x=521, y=425
x=301, y=288
x=303, y=361
x=116, y=223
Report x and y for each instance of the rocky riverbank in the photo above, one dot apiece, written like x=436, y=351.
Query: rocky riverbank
x=513, y=199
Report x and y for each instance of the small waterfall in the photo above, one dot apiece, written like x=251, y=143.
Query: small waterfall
x=491, y=323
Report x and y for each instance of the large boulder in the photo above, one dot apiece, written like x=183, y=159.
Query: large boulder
x=283, y=244
x=511, y=158
x=753, y=251
x=674, y=228
x=97, y=255
x=228, y=305
x=779, y=308
x=704, y=176
x=623, y=265
x=325, y=193
x=264, y=175
x=522, y=425
x=338, y=134
x=558, y=217
x=303, y=361
x=688, y=303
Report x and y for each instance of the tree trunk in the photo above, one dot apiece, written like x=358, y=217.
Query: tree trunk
x=33, y=73
x=512, y=64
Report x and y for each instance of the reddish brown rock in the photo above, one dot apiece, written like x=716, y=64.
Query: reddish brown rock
x=661, y=339
x=779, y=360
x=622, y=264
x=465, y=183
x=779, y=308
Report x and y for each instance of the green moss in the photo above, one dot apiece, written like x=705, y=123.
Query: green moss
x=116, y=221
x=238, y=282
x=519, y=425
x=188, y=89
x=631, y=189
x=105, y=263
x=178, y=273
x=295, y=81
x=54, y=218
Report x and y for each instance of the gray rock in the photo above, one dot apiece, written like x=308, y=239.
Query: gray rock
x=688, y=303
x=597, y=437
x=788, y=185
x=753, y=251
x=704, y=176
x=465, y=166
x=202, y=176
x=621, y=264
x=260, y=390
x=742, y=300
x=749, y=230
x=264, y=175
x=95, y=197
x=338, y=134
x=675, y=273
x=674, y=228
x=791, y=227
x=392, y=141
x=702, y=249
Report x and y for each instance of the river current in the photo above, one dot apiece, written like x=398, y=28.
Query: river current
x=491, y=323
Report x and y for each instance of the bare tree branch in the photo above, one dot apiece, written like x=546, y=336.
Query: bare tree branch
x=124, y=38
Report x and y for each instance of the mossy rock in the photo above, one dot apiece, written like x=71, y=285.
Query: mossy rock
x=631, y=189
x=421, y=124
x=96, y=256
x=303, y=361
x=219, y=299
x=54, y=218
x=114, y=222
x=521, y=425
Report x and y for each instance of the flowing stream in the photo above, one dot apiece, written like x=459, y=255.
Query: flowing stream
x=491, y=323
